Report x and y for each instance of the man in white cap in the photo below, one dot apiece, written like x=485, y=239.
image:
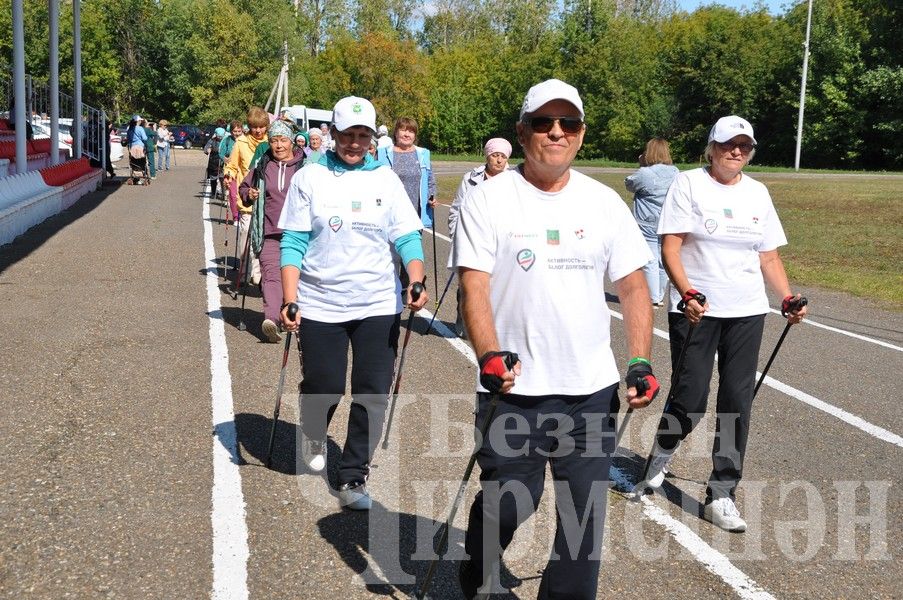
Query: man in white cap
x=532, y=247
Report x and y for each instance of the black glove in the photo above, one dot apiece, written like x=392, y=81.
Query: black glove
x=639, y=375
x=493, y=365
x=791, y=304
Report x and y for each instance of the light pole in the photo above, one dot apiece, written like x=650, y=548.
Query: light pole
x=799, y=124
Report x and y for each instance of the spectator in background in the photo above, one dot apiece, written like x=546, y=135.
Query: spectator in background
x=150, y=143
x=236, y=130
x=240, y=162
x=301, y=142
x=383, y=140
x=214, y=164
x=649, y=185
x=328, y=144
x=316, y=145
x=412, y=165
x=164, y=140
x=497, y=151
x=111, y=131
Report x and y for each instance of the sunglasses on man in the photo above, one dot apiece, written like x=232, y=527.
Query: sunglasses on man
x=569, y=125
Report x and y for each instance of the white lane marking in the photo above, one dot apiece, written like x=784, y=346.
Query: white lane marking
x=437, y=234
x=230, y=532
x=715, y=562
x=858, y=422
x=808, y=321
x=850, y=418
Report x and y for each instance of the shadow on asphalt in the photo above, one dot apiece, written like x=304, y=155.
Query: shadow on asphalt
x=389, y=541
x=34, y=238
x=633, y=464
x=254, y=436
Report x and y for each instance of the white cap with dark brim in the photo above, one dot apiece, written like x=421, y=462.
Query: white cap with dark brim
x=551, y=89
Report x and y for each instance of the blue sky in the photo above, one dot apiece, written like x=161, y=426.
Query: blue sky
x=775, y=7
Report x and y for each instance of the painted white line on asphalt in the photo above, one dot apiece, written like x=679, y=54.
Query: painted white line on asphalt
x=715, y=562
x=858, y=422
x=808, y=321
x=438, y=235
x=230, y=532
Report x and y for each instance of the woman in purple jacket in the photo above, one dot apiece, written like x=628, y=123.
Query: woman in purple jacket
x=269, y=181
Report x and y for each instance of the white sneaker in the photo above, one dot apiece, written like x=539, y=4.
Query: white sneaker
x=655, y=476
x=723, y=513
x=355, y=496
x=271, y=330
x=313, y=453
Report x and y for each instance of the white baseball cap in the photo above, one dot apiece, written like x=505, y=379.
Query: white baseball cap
x=383, y=130
x=727, y=128
x=551, y=89
x=352, y=111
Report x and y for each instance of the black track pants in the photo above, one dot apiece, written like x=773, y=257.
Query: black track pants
x=324, y=347
x=737, y=342
x=575, y=435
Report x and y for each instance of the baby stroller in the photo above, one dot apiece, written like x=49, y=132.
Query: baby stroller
x=138, y=170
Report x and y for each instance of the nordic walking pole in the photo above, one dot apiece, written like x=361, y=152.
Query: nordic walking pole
x=441, y=298
x=244, y=286
x=416, y=290
x=675, y=378
x=794, y=305
x=292, y=312
x=420, y=594
x=243, y=265
x=435, y=263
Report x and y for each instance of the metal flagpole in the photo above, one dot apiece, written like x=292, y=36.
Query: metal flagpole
x=799, y=123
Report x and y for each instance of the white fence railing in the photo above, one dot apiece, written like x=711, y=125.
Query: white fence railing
x=90, y=136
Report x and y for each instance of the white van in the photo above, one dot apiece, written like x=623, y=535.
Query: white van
x=306, y=117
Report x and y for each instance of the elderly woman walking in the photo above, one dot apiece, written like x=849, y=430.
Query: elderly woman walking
x=344, y=219
x=720, y=238
x=265, y=187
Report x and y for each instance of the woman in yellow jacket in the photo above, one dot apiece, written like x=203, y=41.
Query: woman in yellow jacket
x=235, y=169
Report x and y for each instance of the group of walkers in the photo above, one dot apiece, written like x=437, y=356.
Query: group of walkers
x=149, y=146
x=337, y=232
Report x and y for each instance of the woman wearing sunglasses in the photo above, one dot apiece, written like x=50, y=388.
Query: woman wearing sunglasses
x=720, y=238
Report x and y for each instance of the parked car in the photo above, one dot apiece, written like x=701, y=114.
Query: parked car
x=42, y=131
x=115, y=146
x=188, y=136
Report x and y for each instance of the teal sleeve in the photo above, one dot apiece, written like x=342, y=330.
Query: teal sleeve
x=409, y=247
x=293, y=247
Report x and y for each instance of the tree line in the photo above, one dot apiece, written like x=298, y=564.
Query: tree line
x=461, y=68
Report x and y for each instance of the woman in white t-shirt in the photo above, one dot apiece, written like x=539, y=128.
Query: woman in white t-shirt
x=720, y=238
x=343, y=217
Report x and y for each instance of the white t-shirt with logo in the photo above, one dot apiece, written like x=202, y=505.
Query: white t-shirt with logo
x=726, y=228
x=354, y=218
x=547, y=255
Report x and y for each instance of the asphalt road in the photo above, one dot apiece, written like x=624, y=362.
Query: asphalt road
x=111, y=487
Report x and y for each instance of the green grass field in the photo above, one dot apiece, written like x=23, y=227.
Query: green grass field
x=845, y=233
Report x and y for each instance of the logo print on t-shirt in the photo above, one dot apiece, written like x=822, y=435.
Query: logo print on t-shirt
x=711, y=225
x=755, y=220
x=355, y=206
x=579, y=234
x=552, y=237
x=335, y=223
x=526, y=258
x=728, y=213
